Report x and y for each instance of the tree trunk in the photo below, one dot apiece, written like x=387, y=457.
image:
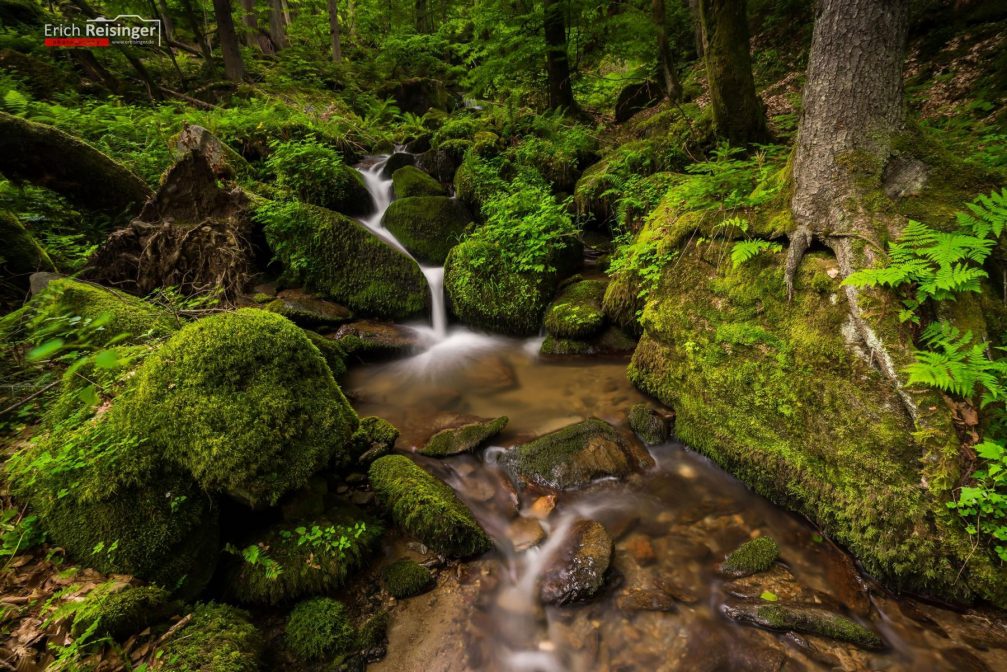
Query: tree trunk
x=337, y=50
x=234, y=68
x=197, y=31
x=422, y=17
x=169, y=25
x=277, y=26
x=737, y=111
x=249, y=20
x=557, y=64
x=697, y=26
x=853, y=106
x=665, y=60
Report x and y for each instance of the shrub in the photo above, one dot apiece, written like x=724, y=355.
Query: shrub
x=315, y=173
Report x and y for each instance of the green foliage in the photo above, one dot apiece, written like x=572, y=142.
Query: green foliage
x=18, y=533
x=320, y=628
x=218, y=638
x=115, y=610
x=406, y=578
x=315, y=173
x=956, y=363
x=745, y=250
x=983, y=503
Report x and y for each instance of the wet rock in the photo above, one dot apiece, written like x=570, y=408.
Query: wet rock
x=524, y=533
x=428, y=226
x=308, y=311
x=650, y=424
x=396, y=161
x=639, y=546
x=543, y=506
x=576, y=313
x=437, y=163
x=642, y=599
x=963, y=660
x=369, y=339
x=577, y=570
x=575, y=455
x=411, y=181
x=752, y=557
x=462, y=439
x=375, y=437
x=801, y=618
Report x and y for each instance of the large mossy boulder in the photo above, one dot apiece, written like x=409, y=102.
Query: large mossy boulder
x=426, y=508
x=485, y=293
x=783, y=395
x=428, y=226
x=410, y=181
x=217, y=638
x=244, y=402
x=576, y=455
x=330, y=253
x=576, y=313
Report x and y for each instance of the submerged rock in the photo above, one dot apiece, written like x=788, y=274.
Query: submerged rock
x=576, y=455
x=525, y=533
x=751, y=557
x=428, y=226
x=410, y=181
x=577, y=570
x=462, y=439
x=305, y=310
x=801, y=618
x=651, y=425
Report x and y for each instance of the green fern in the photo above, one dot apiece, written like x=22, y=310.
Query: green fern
x=746, y=250
x=988, y=215
x=958, y=364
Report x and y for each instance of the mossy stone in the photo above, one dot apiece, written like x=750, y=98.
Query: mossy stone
x=21, y=255
x=428, y=226
x=320, y=628
x=119, y=610
x=406, y=578
x=374, y=438
x=410, y=181
x=426, y=508
x=330, y=253
x=244, y=402
x=805, y=619
x=649, y=425
x=752, y=557
x=577, y=313
x=462, y=439
x=309, y=312
x=332, y=352
x=218, y=638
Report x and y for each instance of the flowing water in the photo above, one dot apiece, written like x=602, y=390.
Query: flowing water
x=671, y=526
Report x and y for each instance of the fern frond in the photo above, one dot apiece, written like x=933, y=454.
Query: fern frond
x=747, y=249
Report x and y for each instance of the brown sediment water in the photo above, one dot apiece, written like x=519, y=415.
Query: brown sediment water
x=671, y=526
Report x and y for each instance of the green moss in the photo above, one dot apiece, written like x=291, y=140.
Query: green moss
x=21, y=255
x=320, y=628
x=576, y=312
x=332, y=254
x=752, y=557
x=218, y=638
x=462, y=439
x=648, y=424
x=410, y=181
x=406, y=578
x=309, y=312
x=817, y=622
x=244, y=402
x=477, y=180
x=374, y=632
x=426, y=508
x=119, y=610
x=374, y=438
x=332, y=352
x=488, y=295
x=306, y=555
x=428, y=226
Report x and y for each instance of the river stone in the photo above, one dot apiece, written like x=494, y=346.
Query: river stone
x=752, y=557
x=576, y=455
x=612, y=342
x=308, y=311
x=462, y=439
x=812, y=620
x=525, y=533
x=577, y=570
x=651, y=425
x=396, y=161
x=370, y=339
x=645, y=599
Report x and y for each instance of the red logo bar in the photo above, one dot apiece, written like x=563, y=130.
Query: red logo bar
x=76, y=42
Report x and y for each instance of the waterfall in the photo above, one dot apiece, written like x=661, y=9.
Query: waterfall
x=380, y=190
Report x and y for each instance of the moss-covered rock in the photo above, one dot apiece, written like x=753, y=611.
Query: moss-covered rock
x=780, y=394
x=118, y=610
x=805, y=619
x=428, y=226
x=650, y=425
x=426, y=508
x=373, y=635
x=374, y=438
x=329, y=253
x=21, y=255
x=304, y=558
x=332, y=352
x=406, y=578
x=484, y=293
x=320, y=628
x=455, y=440
x=218, y=638
x=410, y=181
x=576, y=313
x=244, y=402
x=613, y=341
x=307, y=311
x=476, y=181
x=751, y=557
x=576, y=455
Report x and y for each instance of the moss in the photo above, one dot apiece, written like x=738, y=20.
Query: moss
x=817, y=622
x=576, y=312
x=309, y=312
x=374, y=438
x=218, y=638
x=307, y=555
x=476, y=181
x=648, y=424
x=332, y=254
x=320, y=628
x=406, y=578
x=21, y=255
x=462, y=439
x=374, y=632
x=244, y=402
x=428, y=226
x=410, y=181
x=613, y=341
x=426, y=508
x=332, y=352
x=488, y=295
x=623, y=302
x=118, y=610
x=752, y=557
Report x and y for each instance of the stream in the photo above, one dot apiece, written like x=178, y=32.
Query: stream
x=671, y=526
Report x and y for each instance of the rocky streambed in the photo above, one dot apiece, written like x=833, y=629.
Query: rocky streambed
x=610, y=555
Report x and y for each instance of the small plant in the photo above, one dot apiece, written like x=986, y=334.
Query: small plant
x=984, y=504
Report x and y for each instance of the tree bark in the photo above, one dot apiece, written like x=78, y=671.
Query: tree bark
x=234, y=67
x=169, y=25
x=423, y=20
x=737, y=111
x=557, y=63
x=697, y=26
x=337, y=50
x=665, y=60
x=197, y=31
x=277, y=25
